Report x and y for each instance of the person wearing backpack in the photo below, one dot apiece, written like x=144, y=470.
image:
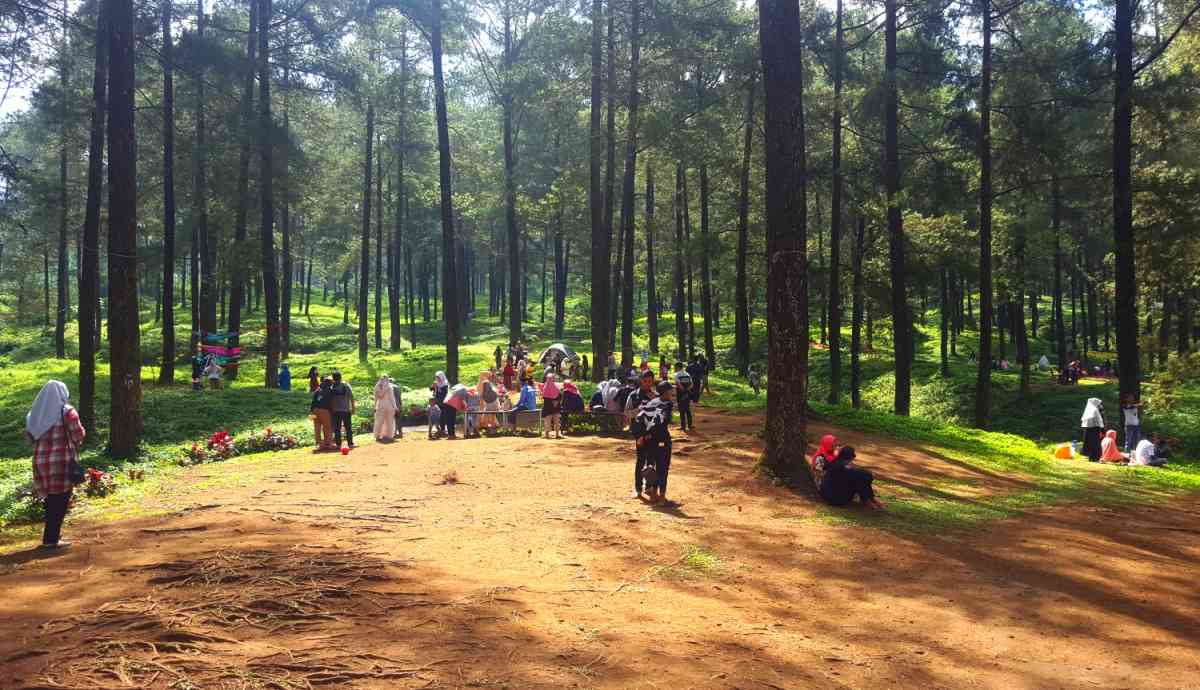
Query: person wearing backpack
x=54, y=429
x=341, y=407
x=683, y=397
x=633, y=404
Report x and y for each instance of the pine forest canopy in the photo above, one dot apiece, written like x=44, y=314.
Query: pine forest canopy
x=667, y=165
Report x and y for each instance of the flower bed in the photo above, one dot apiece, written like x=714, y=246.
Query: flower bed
x=222, y=445
x=98, y=484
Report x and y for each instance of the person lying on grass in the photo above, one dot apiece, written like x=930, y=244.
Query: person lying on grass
x=839, y=482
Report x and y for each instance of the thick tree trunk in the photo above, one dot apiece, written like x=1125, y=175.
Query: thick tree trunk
x=680, y=249
x=364, y=271
x=610, y=170
x=64, y=258
x=651, y=287
x=285, y=262
x=270, y=286
x=983, y=369
x=687, y=267
x=627, y=185
x=856, y=316
x=601, y=235
x=741, y=327
x=515, y=309
x=1128, y=363
x=125, y=361
x=203, y=306
x=89, y=270
x=166, y=373
x=835, y=223
x=237, y=290
x=706, y=300
x=901, y=316
x=786, y=215
x=396, y=245
x=379, y=245
x=449, y=273
x=1060, y=331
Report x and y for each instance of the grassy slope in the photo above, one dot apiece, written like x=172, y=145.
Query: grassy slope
x=175, y=416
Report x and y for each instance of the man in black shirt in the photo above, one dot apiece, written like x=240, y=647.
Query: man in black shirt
x=645, y=393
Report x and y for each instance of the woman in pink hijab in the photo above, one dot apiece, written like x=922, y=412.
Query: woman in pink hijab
x=552, y=406
x=1108, y=448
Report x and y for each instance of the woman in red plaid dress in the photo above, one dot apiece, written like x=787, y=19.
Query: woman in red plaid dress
x=53, y=428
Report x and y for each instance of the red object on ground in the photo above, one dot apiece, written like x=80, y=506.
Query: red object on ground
x=345, y=450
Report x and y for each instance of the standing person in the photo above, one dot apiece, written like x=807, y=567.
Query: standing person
x=522, y=370
x=213, y=371
x=1092, y=423
x=664, y=371
x=644, y=393
x=552, y=407
x=696, y=371
x=584, y=374
x=398, y=394
x=755, y=380
x=456, y=401
x=509, y=373
x=385, y=410
x=498, y=354
x=319, y=410
x=198, y=370
x=612, y=365
x=1131, y=411
x=285, y=377
x=652, y=429
x=683, y=397
x=705, y=368
x=54, y=429
x=342, y=408
x=527, y=401
x=491, y=403
x=441, y=388
x=314, y=380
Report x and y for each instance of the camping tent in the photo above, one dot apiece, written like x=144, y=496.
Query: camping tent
x=557, y=353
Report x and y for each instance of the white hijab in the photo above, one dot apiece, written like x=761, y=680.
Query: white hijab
x=47, y=409
x=383, y=388
x=1091, y=414
x=439, y=379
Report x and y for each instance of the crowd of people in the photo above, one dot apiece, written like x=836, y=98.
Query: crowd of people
x=1100, y=444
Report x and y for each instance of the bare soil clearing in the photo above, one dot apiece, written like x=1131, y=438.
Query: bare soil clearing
x=536, y=570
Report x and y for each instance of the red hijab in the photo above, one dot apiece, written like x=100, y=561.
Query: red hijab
x=828, y=444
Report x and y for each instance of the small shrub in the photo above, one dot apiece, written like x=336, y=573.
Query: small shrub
x=99, y=484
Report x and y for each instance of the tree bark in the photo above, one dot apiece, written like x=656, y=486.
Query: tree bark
x=1128, y=362
x=1060, y=331
x=687, y=265
x=379, y=245
x=64, y=260
x=270, y=286
x=364, y=272
x=166, y=372
x=786, y=215
x=983, y=369
x=600, y=234
x=515, y=310
x=741, y=327
x=125, y=361
x=237, y=288
x=449, y=273
x=680, y=249
x=651, y=287
x=856, y=316
x=834, y=298
x=706, y=300
x=89, y=269
x=901, y=316
x=286, y=261
x=627, y=184
x=397, y=243
x=610, y=169
x=203, y=305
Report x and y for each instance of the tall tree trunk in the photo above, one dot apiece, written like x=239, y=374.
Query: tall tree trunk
x=125, y=361
x=741, y=327
x=944, y=301
x=687, y=264
x=610, y=169
x=680, y=248
x=285, y=263
x=651, y=287
x=64, y=259
x=1016, y=311
x=1060, y=331
x=237, y=289
x=856, y=315
x=901, y=316
x=364, y=271
x=202, y=302
x=786, y=214
x=1128, y=362
x=449, y=274
x=270, y=285
x=601, y=238
x=983, y=369
x=510, y=187
x=89, y=270
x=627, y=183
x=379, y=246
x=166, y=372
x=834, y=298
x=706, y=300
x=397, y=242
x=1184, y=343
x=412, y=308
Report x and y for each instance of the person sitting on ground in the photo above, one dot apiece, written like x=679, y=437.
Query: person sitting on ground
x=652, y=429
x=623, y=393
x=213, y=372
x=840, y=483
x=384, y=427
x=552, y=406
x=1092, y=423
x=314, y=380
x=1150, y=452
x=597, y=400
x=319, y=410
x=527, y=402
x=1109, y=452
x=1004, y=365
x=54, y=429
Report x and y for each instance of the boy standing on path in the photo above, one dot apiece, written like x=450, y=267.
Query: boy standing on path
x=342, y=408
x=644, y=394
x=652, y=427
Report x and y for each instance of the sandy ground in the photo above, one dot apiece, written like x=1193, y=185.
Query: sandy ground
x=537, y=570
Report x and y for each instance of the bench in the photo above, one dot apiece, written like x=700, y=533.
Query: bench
x=527, y=420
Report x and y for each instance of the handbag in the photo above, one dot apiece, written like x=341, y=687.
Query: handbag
x=75, y=472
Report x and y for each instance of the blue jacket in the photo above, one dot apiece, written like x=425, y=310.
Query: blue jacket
x=528, y=399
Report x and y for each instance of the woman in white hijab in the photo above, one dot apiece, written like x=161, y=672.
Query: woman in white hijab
x=1092, y=423
x=53, y=427
x=385, y=410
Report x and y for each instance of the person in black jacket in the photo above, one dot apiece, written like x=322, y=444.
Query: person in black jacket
x=652, y=428
x=633, y=404
x=841, y=483
x=319, y=408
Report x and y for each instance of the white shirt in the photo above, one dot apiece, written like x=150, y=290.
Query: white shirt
x=1143, y=454
x=1131, y=415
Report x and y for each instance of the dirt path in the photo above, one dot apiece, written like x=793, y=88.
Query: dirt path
x=536, y=570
